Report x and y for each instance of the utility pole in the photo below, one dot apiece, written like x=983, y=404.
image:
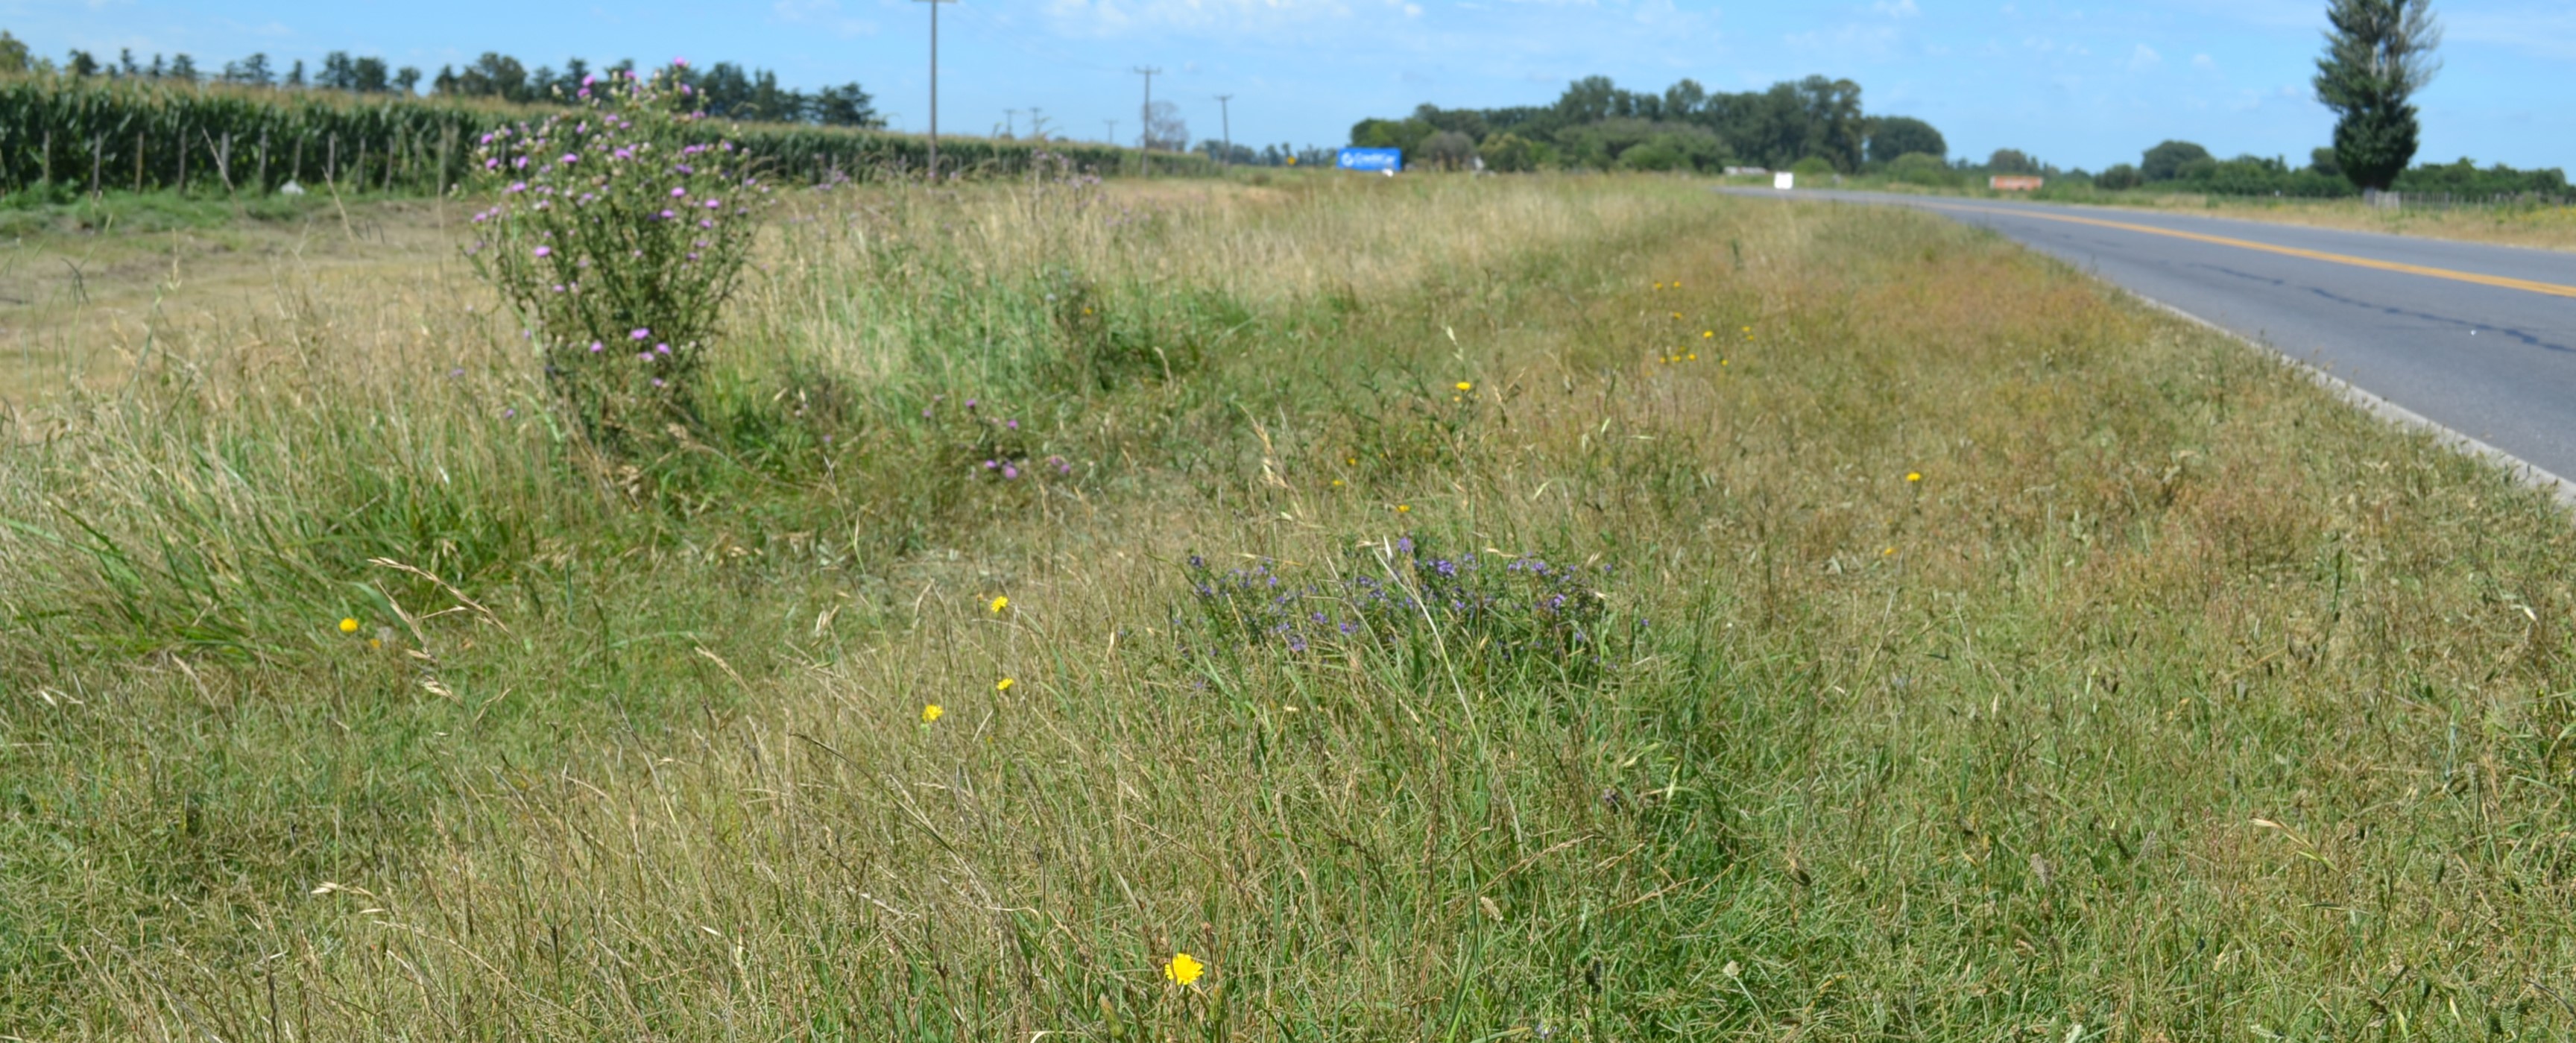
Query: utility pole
x=934, y=84
x=1037, y=123
x=1225, y=126
x=1011, y=123
x=1145, y=136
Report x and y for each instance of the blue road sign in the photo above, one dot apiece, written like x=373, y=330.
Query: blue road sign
x=1371, y=159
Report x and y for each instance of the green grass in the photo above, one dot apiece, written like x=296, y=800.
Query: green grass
x=2174, y=700
x=40, y=210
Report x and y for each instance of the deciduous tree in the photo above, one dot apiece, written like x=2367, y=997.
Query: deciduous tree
x=2378, y=54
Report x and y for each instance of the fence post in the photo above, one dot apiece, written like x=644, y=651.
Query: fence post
x=183, y=160
x=331, y=163
x=263, y=160
x=45, y=159
x=97, y=153
x=224, y=162
x=138, y=161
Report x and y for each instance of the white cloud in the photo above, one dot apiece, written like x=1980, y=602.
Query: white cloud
x=1111, y=17
x=2204, y=62
x=824, y=14
x=1896, y=8
x=2531, y=30
x=1874, y=42
x=2144, y=58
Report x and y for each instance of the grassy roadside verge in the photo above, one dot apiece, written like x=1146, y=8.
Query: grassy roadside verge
x=2538, y=227
x=1801, y=619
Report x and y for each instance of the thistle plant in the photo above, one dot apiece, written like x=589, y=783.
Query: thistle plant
x=618, y=231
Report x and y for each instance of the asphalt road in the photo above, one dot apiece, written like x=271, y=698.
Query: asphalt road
x=2479, y=339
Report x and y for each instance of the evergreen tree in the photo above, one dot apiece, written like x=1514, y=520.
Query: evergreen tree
x=13, y=54
x=183, y=67
x=2379, y=53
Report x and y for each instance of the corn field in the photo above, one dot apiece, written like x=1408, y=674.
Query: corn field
x=101, y=135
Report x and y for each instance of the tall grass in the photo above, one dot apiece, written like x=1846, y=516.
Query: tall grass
x=1977, y=654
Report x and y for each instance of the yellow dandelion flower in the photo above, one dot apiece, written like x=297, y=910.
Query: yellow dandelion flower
x=1888, y=553
x=1677, y=315
x=1721, y=362
x=1002, y=685
x=1693, y=356
x=1913, y=476
x=375, y=642
x=931, y=713
x=349, y=625
x=1403, y=508
x=1466, y=385
x=1337, y=483
x=1183, y=969
x=1353, y=461
x=999, y=603
x=1706, y=334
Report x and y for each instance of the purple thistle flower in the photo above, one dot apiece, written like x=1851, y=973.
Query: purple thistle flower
x=661, y=349
x=667, y=215
x=571, y=157
x=679, y=193
x=1009, y=472
x=639, y=334
x=543, y=251
x=594, y=347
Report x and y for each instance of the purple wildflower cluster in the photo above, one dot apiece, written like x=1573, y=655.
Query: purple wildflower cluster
x=988, y=445
x=618, y=230
x=1496, y=609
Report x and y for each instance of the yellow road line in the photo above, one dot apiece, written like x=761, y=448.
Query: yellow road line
x=2550, y=288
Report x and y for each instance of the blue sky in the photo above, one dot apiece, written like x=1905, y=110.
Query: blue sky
x=2077, y=84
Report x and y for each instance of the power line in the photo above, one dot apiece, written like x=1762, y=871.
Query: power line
x=934, y=83
x=1225, y=126
x=1145, y=136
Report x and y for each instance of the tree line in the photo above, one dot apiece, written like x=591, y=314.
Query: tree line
x=723, y=88
x=1595, y=124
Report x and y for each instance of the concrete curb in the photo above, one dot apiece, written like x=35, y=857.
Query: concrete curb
x=2524, y=471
